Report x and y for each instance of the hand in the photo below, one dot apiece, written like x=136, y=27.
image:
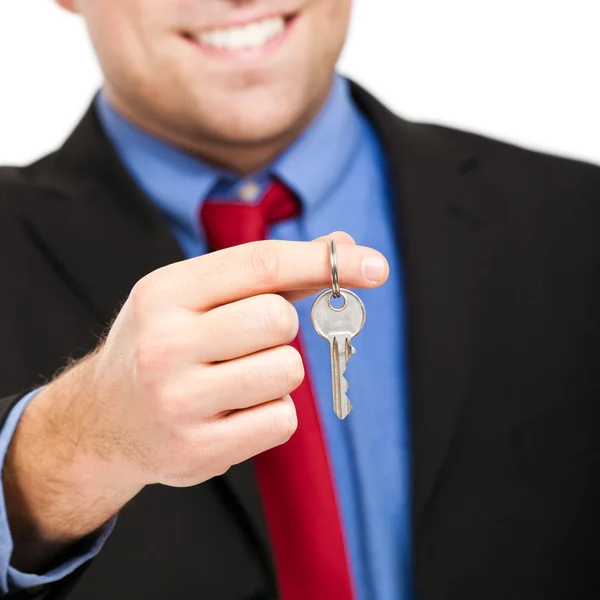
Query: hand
x=195, y=374
x=193, y=377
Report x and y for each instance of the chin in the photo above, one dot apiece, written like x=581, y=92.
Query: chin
x=258, y=131
x=257, y=122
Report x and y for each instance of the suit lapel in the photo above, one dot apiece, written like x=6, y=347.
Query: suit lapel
x=448, y=225
x=103, y=234
x=99, y=228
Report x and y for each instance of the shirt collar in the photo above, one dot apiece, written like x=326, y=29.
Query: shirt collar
x=177, y=182
x=320, y=157
x=173, y=179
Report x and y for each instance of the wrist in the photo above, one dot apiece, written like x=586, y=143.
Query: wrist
x=58, y=486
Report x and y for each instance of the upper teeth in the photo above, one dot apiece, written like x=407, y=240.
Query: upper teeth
x=247, y=36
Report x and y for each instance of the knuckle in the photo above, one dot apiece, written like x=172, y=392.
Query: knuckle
x=182, y=398
x=342, y=237
x=174, y=402
x=150, y=358
x=281, y=318
x=293, y=367
x=145, y=359
x=220, y=470
x=179, y=446
x=263, y=263
x=286, y=422
x=182, y=466
x=208, y=453
x=189, y=448
x=202, y=401
x=141, y=294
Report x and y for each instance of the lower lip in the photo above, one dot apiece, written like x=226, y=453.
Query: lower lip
x=247, y=53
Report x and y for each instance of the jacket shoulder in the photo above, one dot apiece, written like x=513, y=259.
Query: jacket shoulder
x=27, y=175
x=20, y=186
x=513, y=162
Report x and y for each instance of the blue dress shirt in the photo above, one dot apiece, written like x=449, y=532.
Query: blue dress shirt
x=338, y=170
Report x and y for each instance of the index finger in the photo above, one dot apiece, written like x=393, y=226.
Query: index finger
x=269, y=266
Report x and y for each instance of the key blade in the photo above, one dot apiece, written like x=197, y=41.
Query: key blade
x=350, y=349
x=346, y=407
x=340, y=355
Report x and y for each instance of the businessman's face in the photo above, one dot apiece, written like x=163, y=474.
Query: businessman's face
x=240, y=71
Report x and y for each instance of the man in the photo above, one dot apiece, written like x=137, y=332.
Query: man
x=470, y=467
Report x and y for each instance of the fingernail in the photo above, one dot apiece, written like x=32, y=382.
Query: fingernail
x=374, y=268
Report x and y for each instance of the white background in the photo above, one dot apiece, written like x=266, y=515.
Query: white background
x=526, y=71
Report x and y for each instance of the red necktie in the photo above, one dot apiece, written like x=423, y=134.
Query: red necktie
x=294, y=479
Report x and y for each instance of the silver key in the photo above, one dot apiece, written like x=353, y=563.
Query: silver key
x=339, y=326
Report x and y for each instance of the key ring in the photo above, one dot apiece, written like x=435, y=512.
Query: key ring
x=335, y=281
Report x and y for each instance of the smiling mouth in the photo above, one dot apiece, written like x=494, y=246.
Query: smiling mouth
x=249, y=36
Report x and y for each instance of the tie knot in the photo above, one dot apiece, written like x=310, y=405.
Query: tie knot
x=230, y=222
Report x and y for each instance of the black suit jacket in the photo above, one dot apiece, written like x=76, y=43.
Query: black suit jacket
x=501, y=254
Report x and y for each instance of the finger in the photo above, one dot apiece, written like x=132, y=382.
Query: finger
x=341, y=237
x=244, y=434
x=264, y=267
x=243, y=327
x=247, y=381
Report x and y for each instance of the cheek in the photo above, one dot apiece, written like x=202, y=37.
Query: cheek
x=119, y=26
x=122, y=35
x=340, y=18
x=330, y=23
x=337, y=14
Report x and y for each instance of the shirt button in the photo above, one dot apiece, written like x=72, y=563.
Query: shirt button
x=250, y=191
